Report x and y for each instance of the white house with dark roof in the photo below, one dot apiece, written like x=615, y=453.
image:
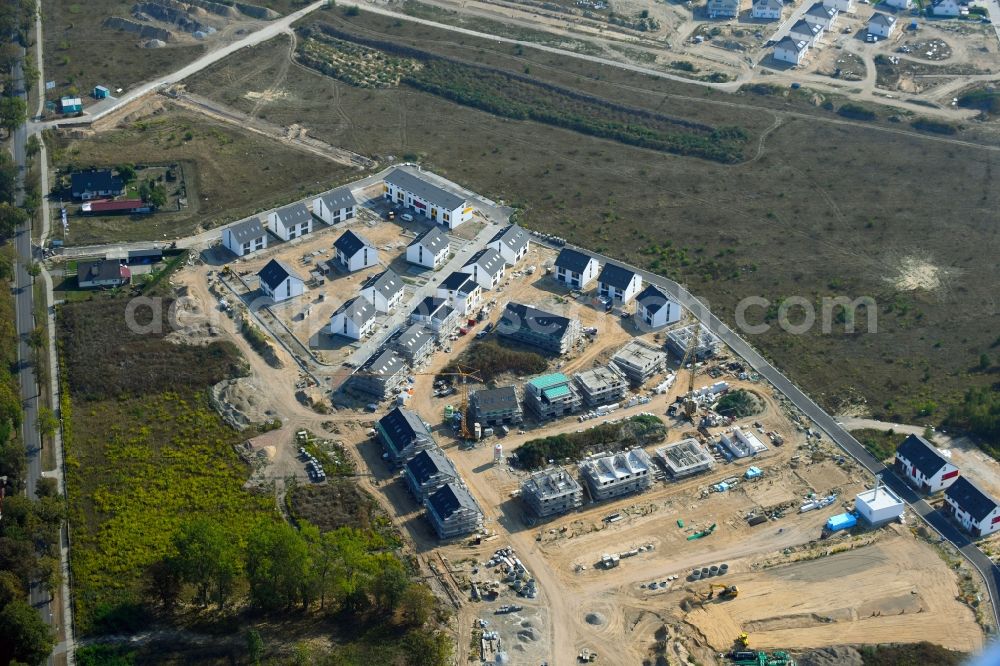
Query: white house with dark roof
x=946, y=8
x=899, y=4
x=882, y=25
x=512, y=242
x=575, y=269
x=403, y=435
x=433, y=202
x=923, y=466
x=245, y=237
x=453, y=512
x=427, y=471
x=843, y=6
x=383, y=290
x=805, y=31
x=102, y=273
x=487, y=268
x=436, y=314
x=977, y=512
x=280, y=281
x=354, y=319
x=430, y=249
x=416, y=343
x=354, y=252
x=654, y=308
x=822, y=15
x=722, y=8
x=335, y=206
x=290, y=222
x=766, y=10
x=791, y=50
x=461, y=291
x=618, y=282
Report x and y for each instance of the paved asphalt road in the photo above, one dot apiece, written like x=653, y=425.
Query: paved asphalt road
x=24, y=314
x=947, y=529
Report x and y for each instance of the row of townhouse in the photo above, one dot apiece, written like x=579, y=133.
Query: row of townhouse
x=807, y=32
x=771, y=10
x=430, y=475
x=928, y=470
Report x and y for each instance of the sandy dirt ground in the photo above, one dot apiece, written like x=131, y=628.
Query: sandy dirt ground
x=614, y=613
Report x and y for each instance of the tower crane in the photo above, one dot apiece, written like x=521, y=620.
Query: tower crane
x=690, y=407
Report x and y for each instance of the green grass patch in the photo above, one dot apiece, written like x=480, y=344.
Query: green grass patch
x=880, y=443
x=636, y=431
x=915, y=654
x=490, y=360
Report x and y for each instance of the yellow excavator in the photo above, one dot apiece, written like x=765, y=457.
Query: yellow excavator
x=725, y=591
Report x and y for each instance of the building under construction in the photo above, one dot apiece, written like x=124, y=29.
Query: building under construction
x=602, y=385
x=679, y=341
x=639, y=361
x=551, y=491
x=685, y=458
x=616, y=474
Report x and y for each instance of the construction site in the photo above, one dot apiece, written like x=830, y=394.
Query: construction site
x=710, y=542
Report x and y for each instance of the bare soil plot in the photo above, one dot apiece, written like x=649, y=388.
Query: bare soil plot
x=228, y=173
x=895, y=591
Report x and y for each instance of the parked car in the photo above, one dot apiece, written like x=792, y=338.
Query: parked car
x=406, y=217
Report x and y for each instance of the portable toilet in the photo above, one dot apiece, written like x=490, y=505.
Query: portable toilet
x=101, y=92
x=753, y=473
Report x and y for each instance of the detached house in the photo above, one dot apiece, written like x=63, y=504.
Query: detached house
x=791, y=50
x=822, y=15
x=805, y=31
x=461, y=291
x=487, y=268
x=93, y=184
x=575, y=269
x=354, y=319
x=618, y=283
x=103, y=273
x=291, y=221
x=844, y=6
x=453, y=512
x=403, y=435
x=722, y=8
x=429, y=249
x=435, y=203
x=354, y=252
x=427, y=471
x=512, y=243
x=245, y=237
x=882, y=25
x=655, y=309
x=336, y=206
x=949, y=8
x=766, y=10
x=280, y=281
x=383, y=290
x=923, y=466
x=977, y=512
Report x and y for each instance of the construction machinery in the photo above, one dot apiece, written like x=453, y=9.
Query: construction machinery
x=690, y=406
x=466, y=376
x=703, y=533
x=743, y=640
x=760, y=658
x=727, y=592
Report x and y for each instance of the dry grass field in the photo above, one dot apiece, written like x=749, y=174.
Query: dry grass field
x=823, y=208
x=229, y=173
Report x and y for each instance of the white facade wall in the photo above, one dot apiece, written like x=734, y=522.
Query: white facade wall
x=363, y=258
x=464, y=304
x=988, y=525
x=243, y=249
x=340, y=324
x=578, y=280
x=765, y=12
x=290, y=287
x=790, y=55
x=449, y=218
x=323, y=212
x=668, y=313
x=899, y=4
x=623, y=295
x=880, y=30
x=421, y=256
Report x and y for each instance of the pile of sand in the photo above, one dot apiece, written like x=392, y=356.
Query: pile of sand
x=239, y=403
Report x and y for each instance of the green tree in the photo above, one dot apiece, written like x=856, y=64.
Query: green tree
x=416, y=605
x=11, y=217
x=13, y=112
x=10, y=588
x=27, y=638
x=34, y=145
x=984, y=362
x=277, y=565
x=158, y=195
x=47, y=422
x=389, y=584
x=164, y=582
x=425, y=648
x=255, y=646
x=207, y=558
x=126, y=172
